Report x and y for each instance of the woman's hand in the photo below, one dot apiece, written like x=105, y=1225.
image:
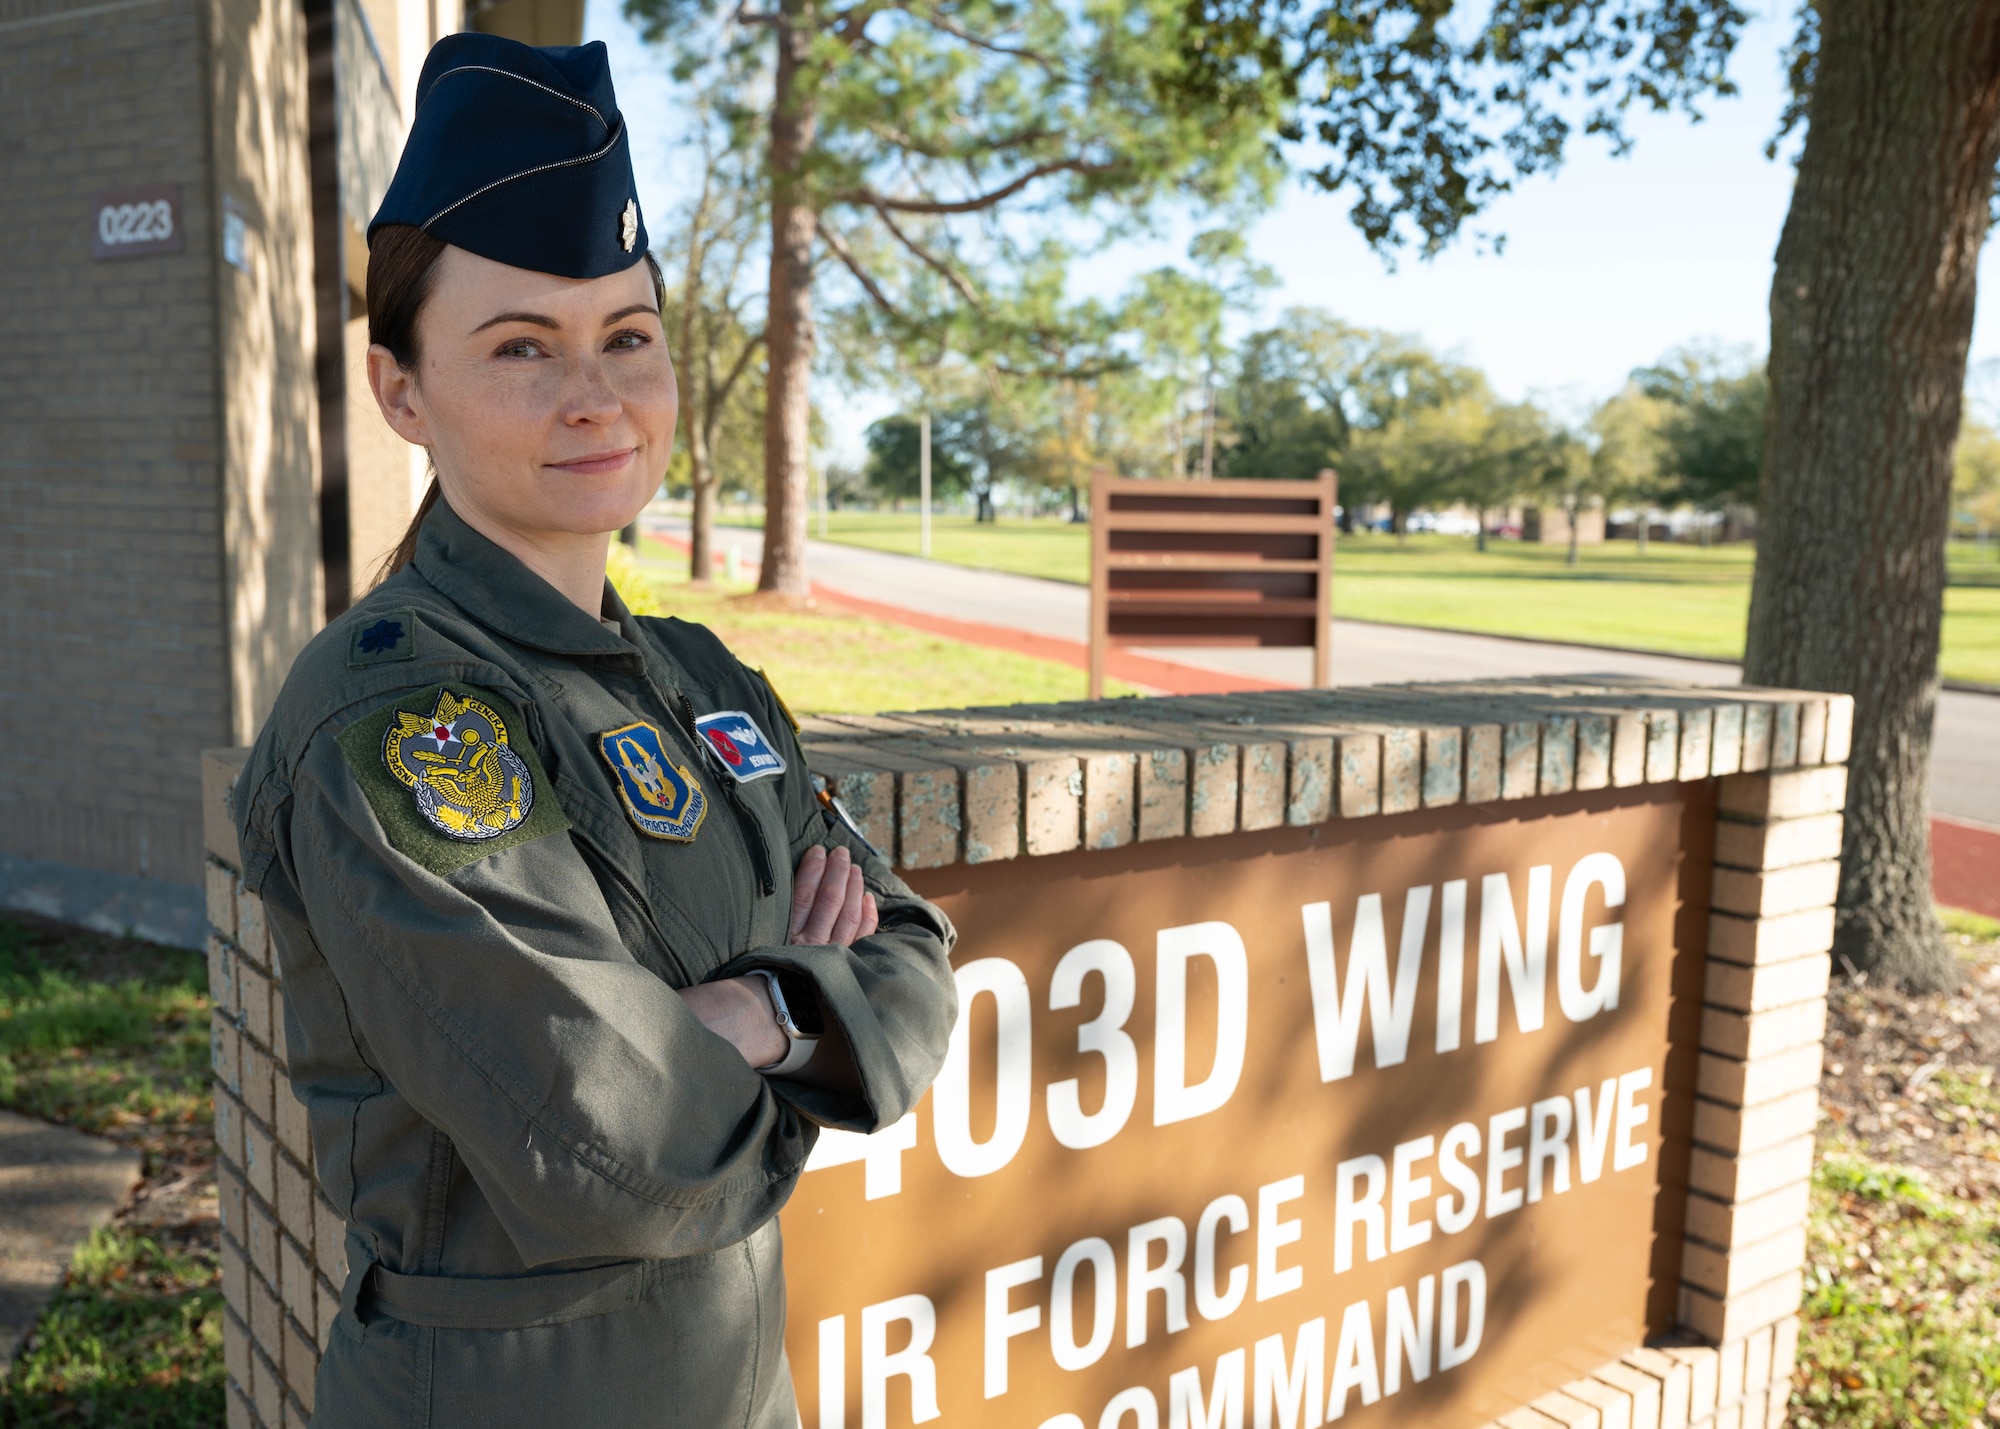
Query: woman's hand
x=738, y=1010
x=829, y=905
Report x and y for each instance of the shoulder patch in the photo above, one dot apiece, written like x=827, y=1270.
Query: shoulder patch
x=390, y=636
x=783, y=708
x=449, y=776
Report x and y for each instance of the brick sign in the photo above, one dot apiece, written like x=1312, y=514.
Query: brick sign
x=136, y=222
x=1308, y=1125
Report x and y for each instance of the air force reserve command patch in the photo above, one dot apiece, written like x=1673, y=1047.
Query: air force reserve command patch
x=661, y=796
x=740, y=745
x=449, y=777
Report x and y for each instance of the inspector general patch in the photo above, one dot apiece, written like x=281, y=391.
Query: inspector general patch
x=662, y=797
x=740, y=745
x=448, y=777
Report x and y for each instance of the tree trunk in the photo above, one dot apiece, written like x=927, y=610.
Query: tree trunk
x=1480, y=544
x=789, y=325
x=701, y=520
x=1575, y=513
x=1871, y=316
x=1208, y=425
x=1645, y=530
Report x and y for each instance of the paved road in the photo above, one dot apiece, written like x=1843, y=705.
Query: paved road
x=1965, y=780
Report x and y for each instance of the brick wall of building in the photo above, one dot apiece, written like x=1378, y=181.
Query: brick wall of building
x=158, y=560
x=113, y=663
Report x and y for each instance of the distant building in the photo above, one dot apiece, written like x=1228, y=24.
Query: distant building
x=192, y=475
x=1549, y=525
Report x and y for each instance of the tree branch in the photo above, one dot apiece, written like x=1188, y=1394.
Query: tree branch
x=883, y=202
x=957, y=31
x=847, y=259
x=737, y=368
x=923, y=255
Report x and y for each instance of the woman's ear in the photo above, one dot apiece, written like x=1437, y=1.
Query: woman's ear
x=396, y=394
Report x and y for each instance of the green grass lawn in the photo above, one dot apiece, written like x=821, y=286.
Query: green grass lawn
x=1680, y=600
x=827, y=662
x=111, y=1036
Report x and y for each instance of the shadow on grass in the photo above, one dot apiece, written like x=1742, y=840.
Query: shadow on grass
x=110, y=1035
x=133, y=1338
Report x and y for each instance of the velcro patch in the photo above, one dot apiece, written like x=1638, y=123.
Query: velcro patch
x=450, y=777
x=740, y=745
x=390, y=636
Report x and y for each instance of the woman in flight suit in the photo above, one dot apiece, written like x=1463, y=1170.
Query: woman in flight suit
x=575, y=962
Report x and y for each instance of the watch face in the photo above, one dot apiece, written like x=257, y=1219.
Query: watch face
x=802, y=1001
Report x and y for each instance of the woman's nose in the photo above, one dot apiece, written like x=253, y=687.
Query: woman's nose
x=588, y=395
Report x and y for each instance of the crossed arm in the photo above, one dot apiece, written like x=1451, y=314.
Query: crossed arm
x=830, y=904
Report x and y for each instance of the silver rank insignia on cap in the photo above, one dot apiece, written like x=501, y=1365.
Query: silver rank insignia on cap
x=628, y=224
x=661, y=796
x=457, y=766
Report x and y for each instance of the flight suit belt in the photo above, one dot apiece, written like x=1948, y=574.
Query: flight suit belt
x=519, y=1302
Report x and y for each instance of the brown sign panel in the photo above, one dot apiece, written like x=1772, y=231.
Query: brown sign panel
x=136, y=222
x=1384, y=1123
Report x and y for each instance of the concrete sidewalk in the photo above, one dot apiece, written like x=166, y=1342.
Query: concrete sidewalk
x=56, y=1186
x=1965, y=770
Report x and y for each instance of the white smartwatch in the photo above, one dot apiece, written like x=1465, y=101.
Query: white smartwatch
x=798, y=1018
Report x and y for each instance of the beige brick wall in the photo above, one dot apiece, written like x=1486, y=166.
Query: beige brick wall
x=283, y=1248
x=266, y=334
x=150, y=421
x=110, y=547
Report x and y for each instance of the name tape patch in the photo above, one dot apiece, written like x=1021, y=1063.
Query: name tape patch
x=740, y=744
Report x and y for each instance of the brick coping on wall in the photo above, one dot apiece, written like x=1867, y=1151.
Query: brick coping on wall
x=978, y=785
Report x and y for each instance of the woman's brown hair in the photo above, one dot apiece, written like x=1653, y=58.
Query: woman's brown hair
x=402, y=264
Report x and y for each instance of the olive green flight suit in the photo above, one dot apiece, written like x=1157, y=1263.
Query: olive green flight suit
x=560, y=1189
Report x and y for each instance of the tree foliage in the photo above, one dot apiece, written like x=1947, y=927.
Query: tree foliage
x=1711, y=426
x=1976, y=478
x=902, y=138
x=714, y=321
x=1428, y=110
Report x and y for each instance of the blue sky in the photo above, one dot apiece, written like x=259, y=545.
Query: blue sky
x=1608, y=263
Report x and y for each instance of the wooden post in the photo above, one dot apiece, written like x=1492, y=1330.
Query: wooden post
x=1329, y=482
x=924, y=487
x=1100, y=626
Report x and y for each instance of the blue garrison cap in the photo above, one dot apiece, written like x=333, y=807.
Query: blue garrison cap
x=519, y=154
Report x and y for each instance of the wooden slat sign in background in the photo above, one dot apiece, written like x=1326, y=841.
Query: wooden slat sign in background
x=1211, y=563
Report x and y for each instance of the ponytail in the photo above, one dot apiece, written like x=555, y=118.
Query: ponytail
x=406, y=549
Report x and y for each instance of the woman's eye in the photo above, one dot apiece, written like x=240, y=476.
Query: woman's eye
x=627, y=341
x=521, y=347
